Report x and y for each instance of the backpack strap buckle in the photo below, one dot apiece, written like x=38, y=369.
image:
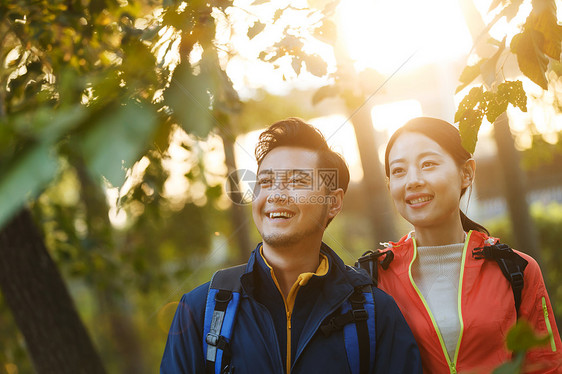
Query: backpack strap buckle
x=369, y=261
x=360, y=315
x=511, y=264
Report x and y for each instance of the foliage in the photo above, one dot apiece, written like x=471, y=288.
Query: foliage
x=548, y=222
x=92, y=99
x=520, y=338
x=479, y=103
x=537, y=43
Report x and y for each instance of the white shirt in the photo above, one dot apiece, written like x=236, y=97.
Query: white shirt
x=436, y=272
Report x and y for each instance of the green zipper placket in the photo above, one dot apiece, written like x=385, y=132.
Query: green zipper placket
x=452, y=364
x=548, y=326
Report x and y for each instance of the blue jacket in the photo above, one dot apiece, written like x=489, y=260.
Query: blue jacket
x=259, y=343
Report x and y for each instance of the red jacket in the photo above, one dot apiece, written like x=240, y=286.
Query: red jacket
x=487, y=311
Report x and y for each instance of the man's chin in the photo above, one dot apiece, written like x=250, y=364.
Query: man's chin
x=281, y=240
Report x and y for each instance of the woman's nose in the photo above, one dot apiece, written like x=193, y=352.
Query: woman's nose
x=414, y=179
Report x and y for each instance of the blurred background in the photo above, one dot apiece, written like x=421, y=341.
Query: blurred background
x=127, y=135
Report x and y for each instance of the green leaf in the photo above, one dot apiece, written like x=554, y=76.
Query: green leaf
x=327, y=32
x=543, y=19
x=116, y=141
x=189, y=97
x=511, y=367
x=468, y=75
x=324, y=93
x=495, y=4
x=511, y=10
x=278, y=14
x=330, y=8
x=532, y=61
x=515, y=94
x=522, y=337
x=297, y=64
x=468, y=127
x=255, y=29
x=316, y=65
x=25, y=179
x=469, y=116
x=489, y=66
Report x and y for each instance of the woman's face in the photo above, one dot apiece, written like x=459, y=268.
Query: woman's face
x=425, y=182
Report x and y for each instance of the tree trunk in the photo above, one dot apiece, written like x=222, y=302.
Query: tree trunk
x=238, y=217
x=41, y=305
x=376, y=194
x=515, y=192
x=110, y=302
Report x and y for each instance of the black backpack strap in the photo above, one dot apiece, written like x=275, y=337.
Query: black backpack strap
x=224, y=291
x=363, y=346
x=511, y=264
x=370, y=262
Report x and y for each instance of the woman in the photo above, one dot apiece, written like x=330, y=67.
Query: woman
x=458, y=304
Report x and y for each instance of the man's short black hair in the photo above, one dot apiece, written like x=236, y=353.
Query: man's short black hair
x=294, y=132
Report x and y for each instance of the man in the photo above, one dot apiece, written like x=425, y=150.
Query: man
x=291, y=311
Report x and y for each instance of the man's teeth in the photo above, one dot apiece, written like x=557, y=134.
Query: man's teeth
x=280, y=214
x=420, y=200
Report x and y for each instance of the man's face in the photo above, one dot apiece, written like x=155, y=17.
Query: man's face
x=291, y=205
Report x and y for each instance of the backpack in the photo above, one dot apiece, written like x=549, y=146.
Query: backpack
x=223, y=299
x=511, y=264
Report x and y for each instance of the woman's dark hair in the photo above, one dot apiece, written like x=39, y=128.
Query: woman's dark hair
x=294, y=132
x=448, y=137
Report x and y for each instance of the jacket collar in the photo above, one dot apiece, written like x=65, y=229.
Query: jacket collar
x=339, y=275
x=403, y=249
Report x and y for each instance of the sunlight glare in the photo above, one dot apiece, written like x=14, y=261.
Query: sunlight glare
x=383, y=34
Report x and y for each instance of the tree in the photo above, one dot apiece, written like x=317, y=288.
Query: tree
x=91, y=88
x=538, y=41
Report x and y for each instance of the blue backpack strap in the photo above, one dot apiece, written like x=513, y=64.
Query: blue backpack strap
x=357, y=319
x=223, y=299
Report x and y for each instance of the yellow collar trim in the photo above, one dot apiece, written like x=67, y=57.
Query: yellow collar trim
x=301, y=281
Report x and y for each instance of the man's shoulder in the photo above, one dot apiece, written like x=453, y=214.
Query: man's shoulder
x=381, y=296
x=196, y=295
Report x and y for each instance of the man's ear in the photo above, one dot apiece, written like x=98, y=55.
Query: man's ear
x=335, y=202
x=468, y=172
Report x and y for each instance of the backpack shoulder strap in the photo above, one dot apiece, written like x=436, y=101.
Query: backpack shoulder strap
x=222, y=303
x=357, y=319
x=511, y=264
x=371, y=260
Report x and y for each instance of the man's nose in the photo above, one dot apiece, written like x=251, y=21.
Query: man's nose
x=277, y=195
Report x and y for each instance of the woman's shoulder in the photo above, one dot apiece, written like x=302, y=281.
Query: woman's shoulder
x=532, y=268
x=403, y=244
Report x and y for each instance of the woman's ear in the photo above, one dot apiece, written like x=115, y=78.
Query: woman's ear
x=468, y=170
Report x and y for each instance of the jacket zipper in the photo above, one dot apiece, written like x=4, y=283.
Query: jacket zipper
x=288, y=340
x=548, y=326
x=452, y=364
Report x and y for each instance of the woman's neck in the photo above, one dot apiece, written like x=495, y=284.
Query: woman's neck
x=442, y=235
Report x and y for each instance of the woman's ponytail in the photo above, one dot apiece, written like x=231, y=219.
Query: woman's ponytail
x=468, y=224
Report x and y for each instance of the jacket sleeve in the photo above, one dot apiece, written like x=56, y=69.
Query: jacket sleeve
x=536, y=309
x=184, y=347
x=396, y=349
